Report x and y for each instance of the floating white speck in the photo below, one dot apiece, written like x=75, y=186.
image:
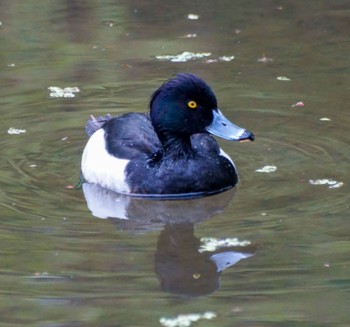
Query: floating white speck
x=184, y=56
x=210, y=61
x=330, y=182
x=226, y=58
x=298, y=104
x=11, y=65
x=15, y=131
x=32, y=166
x=67, y=92
x=322, y=181
x=212, y=244
x=267, y=169
x=192, y=16
x=337, y=185
x=265, y=59
x=185, y=320
x=283, y=78
x=325, y=119
x=190, y=36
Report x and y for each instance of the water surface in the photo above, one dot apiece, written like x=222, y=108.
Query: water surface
x=63, y=266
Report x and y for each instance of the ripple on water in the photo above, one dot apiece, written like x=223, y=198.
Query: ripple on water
x=308, y=174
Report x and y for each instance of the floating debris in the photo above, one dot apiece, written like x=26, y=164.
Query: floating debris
x=267, y=169
x=184, y=56
x=210, y=61
x=189, y=36
x=283, y=78
x=192, y=16
x=226, y=58
x=325, y=119
x=185, y=320
x=265, y=59
x=11, y=65
x=67, y=92
x=108, y=23
x=187, y=55
x=330, y=182
x=298, y=104
x=15, y=131
x=337, y=185
x=222, y=58
x=211, y=244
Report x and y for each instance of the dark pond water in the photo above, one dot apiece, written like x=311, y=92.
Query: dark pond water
x=282, y=252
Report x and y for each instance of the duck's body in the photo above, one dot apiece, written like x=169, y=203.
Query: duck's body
x=167, y=153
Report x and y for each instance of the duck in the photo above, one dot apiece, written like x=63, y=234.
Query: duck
x=169, y=152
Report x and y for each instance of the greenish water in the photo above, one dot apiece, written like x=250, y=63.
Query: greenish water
x=62, y=266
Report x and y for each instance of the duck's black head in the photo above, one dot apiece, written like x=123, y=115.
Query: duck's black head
x=182, y=105
x=186, y=105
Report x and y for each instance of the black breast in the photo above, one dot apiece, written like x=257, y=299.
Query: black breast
x=204, y=172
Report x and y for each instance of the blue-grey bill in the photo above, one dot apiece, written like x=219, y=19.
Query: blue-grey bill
x=223, y=128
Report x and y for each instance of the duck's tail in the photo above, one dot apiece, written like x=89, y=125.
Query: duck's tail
x=93, y=124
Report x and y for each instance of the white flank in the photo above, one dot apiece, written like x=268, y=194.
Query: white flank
x=224, y=154
x=99, y=167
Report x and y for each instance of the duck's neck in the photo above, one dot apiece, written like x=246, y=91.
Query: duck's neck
x=177, y=147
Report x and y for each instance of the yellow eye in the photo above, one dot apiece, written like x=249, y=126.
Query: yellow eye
x=196, y=276
x=192, y=104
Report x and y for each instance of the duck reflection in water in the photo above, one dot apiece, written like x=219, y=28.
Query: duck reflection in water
x=181, y=265
x=183, y=269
